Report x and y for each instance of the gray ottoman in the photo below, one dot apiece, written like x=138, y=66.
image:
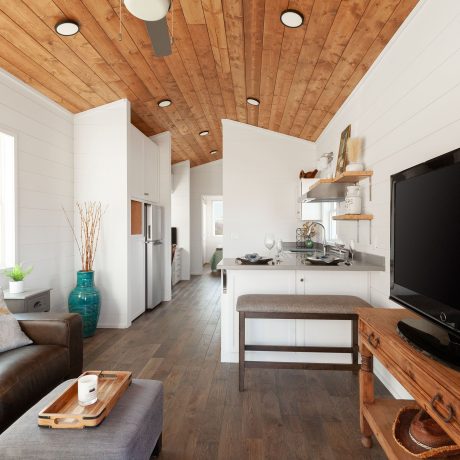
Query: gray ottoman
x=132, y=431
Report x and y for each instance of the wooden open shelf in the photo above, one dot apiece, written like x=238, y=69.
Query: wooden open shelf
x=348, y=177
x=381, y=415
x=353, y=217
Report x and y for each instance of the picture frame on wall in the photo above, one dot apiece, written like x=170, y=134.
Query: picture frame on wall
x=342, y=159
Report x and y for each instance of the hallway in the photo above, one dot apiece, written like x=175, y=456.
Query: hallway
x=283, y=414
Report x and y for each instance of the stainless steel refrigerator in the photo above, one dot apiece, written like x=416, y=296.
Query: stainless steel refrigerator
x=154, y=255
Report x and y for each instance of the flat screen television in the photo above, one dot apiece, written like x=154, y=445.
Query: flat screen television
x=425, y=254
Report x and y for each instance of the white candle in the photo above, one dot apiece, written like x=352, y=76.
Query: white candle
x=87, y=390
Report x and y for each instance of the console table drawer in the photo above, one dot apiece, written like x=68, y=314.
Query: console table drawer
x=28, y=301
x=440, y=401
x=38, y=303
x=372, y=338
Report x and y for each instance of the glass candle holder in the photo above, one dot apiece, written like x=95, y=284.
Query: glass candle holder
x=87, y=390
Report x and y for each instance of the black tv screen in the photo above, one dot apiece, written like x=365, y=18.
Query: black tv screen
x=425, y=246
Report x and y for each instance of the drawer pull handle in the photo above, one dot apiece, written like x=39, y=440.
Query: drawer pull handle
x=373, y=340
x=450, y=410
x=37, y=304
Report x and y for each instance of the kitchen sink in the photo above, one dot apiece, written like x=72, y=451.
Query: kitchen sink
x=324, y=260
x=301, y=250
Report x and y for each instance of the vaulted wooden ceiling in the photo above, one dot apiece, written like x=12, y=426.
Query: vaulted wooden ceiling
x=223, y=52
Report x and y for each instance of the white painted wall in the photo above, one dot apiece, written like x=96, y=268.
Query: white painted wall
x=44, y=133
x=407, y=110
x=180, y=212
x=260, y=185
x=101, y=139
x=163, y=140
x=205, y=180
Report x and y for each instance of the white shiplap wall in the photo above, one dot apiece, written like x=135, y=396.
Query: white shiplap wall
x=180, y=212
x=44, y=134
x=261, y=186
x=407, y=109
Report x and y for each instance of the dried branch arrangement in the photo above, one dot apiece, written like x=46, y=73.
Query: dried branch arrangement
x=309, y=229
x=90, y=226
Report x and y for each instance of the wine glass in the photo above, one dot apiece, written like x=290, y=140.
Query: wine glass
x=269, y=242
x=279, y=249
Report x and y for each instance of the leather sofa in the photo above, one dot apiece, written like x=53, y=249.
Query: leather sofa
x=29, y=373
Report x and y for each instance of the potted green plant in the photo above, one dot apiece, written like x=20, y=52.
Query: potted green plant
x=16, y=276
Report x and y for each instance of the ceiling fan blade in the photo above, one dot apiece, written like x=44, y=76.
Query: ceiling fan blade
x=159, y=35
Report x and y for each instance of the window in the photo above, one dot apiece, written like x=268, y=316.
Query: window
x=7, y=201
x=218, y=217
x=328, y=211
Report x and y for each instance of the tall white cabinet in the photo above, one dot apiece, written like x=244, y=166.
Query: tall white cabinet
x=114, y=164
x=143, y=166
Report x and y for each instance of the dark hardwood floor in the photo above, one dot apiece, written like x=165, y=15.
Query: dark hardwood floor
x=283, y=414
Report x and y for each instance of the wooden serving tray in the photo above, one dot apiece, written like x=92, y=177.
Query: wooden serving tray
x=65, y=412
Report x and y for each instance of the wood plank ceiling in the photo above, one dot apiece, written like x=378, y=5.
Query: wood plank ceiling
x=224, y=51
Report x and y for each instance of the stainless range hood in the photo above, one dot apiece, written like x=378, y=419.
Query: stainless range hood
x=325, y=193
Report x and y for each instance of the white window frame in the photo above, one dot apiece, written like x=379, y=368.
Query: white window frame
x=13, y=218
x=329, y=209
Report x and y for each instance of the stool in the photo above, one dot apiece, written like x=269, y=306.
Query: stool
x=279, y=306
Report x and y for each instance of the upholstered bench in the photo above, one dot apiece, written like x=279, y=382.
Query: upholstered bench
x=132, y=431
x=274, y=306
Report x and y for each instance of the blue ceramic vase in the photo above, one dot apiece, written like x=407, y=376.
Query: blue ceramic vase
x=86, y=301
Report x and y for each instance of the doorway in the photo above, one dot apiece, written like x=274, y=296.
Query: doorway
x=212, y=226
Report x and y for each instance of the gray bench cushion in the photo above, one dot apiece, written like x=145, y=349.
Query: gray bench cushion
x=281, y=303
x=130, y=432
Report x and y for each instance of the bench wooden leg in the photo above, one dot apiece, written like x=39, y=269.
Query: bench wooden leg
x=354, y=333
x=242, y=342
x=157, y=449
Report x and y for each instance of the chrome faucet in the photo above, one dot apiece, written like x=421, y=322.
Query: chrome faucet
x=324, y=237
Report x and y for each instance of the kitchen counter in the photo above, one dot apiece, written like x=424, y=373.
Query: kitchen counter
x=294, y=275
x=362, y=262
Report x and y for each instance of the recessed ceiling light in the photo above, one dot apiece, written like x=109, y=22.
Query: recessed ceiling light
x=213, y=152
x=204, y=133
x=291, y=18
x=67, y=28
x=164, y=103
x=252, y=101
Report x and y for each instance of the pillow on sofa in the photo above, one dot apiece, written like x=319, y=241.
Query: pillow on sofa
x=11, y=335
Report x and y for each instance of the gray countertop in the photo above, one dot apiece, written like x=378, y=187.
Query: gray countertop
x=362, y=263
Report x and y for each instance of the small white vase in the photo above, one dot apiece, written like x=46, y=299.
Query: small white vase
x=352, y=167
x=16, y=287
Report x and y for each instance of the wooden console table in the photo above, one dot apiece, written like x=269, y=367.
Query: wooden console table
x=435, y=387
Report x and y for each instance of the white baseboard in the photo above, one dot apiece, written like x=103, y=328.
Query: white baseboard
x=113, y=326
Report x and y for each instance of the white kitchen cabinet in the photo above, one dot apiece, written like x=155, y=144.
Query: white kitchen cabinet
x=136, y=163
x=310, y=282
x=151, y=170
x=143, y=167
x=334, y=333
x=309, y=211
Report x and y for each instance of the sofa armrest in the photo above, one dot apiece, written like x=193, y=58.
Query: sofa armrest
x=63, y=329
